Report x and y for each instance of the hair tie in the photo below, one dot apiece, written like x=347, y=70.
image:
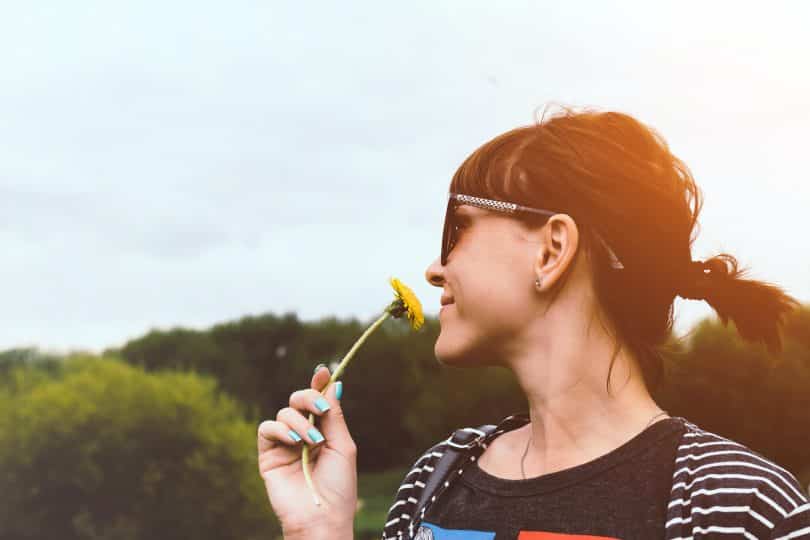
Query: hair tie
x=695, y=284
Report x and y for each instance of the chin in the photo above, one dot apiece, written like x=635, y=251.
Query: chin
x=456, y=353
x=446, y=353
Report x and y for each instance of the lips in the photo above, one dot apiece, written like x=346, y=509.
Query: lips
x=446, y=300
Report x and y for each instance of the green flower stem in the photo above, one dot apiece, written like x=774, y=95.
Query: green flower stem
x=333, y=378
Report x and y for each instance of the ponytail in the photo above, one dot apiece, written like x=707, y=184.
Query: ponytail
x=758, y=309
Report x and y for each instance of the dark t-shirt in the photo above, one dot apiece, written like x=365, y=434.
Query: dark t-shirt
x=620, y=495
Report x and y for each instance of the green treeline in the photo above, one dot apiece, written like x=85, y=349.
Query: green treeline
x=157, y=439
x=97, y=449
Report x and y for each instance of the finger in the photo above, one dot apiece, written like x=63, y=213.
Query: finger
x=320, y=378
x=309, y=400
x=333, y=423
x=272, y=433
x=311, y=434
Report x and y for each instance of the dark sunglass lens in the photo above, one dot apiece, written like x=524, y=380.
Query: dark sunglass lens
x=448, y=235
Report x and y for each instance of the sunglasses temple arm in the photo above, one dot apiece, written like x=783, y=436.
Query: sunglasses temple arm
x=614, y=260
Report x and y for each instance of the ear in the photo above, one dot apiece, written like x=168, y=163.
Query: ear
x=558, y=246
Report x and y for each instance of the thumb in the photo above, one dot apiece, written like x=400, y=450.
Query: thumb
x=333, y=423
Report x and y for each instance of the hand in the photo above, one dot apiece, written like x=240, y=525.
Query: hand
x=333, y=462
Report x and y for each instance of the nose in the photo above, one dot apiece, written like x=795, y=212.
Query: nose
x=435, y=273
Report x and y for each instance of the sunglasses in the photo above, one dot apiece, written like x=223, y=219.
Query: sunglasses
x=450, y=233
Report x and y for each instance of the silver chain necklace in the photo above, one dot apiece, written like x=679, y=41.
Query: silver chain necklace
x=530, y=442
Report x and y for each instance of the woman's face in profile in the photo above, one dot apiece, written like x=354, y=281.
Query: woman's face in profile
x=489, y=278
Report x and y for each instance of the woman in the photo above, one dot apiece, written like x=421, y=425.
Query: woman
x=565, y=244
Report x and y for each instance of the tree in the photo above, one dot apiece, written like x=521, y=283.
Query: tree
x=106, y=450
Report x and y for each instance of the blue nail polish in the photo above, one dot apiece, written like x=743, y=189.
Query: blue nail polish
x=294, y=436
x=315, y=435
x=322, y=404
x=319, y=366
x=339, y=389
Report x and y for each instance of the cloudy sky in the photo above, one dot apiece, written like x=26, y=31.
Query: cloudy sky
x=187, y=163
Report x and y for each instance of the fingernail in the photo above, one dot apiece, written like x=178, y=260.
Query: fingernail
x=338, y=389
x=315, y=435
x=319, y=366
x=294, y=436
x=322, y=404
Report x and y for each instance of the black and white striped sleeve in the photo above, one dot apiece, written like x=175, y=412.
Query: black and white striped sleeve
x=722, y=488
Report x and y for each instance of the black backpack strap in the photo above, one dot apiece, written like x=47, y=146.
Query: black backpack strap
x=459, y=447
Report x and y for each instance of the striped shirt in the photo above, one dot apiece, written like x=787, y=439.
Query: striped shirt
x=720, y=489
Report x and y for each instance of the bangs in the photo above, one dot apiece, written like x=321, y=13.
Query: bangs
x=492, y=171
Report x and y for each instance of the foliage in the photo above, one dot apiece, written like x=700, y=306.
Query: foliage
x=105, y=450
x=713, y=379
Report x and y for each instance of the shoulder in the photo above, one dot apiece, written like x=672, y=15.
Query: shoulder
x=704, y=457
x=420, y=470
x=401, y=514
x=720, y=484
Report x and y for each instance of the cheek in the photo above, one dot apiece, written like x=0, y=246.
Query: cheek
x=497, y=291
x=482, y=318
x=505, y=313
x=507, y=292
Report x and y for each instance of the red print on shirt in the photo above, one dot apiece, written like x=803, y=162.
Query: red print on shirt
x=538, y=535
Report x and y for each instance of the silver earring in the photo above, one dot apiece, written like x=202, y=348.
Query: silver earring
x=538, y=282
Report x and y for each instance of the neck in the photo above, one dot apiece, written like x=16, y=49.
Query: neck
x=573, y=417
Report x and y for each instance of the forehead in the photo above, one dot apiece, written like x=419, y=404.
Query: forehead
x=466, y=210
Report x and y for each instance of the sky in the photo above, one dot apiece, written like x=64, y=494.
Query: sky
x=170, y=164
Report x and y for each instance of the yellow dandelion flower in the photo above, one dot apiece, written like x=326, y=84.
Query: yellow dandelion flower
x=406, y=302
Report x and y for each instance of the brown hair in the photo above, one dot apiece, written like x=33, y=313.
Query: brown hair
x=614, y=175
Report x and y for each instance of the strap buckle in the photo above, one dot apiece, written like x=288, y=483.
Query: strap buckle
x=466, y=438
